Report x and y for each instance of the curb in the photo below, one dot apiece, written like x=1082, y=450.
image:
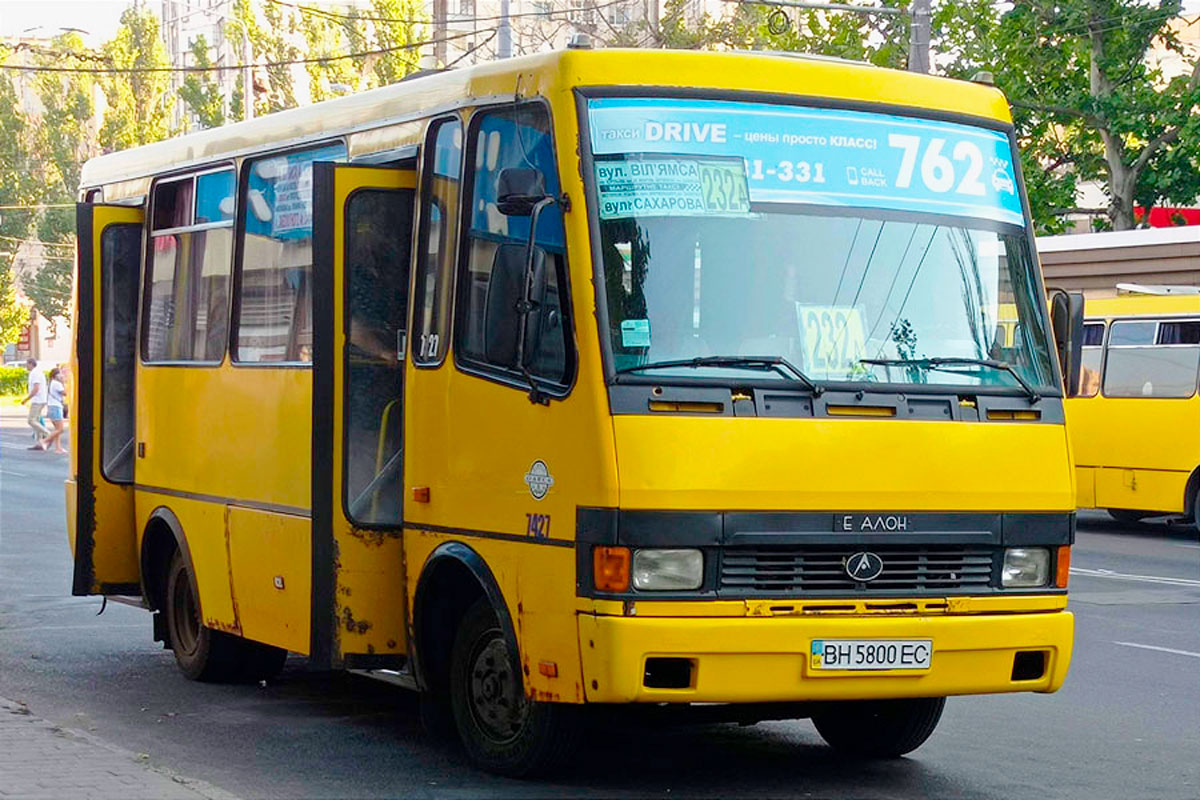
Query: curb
x=201, y=789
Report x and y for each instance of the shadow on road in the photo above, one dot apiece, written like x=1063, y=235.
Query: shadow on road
x=1165, y=528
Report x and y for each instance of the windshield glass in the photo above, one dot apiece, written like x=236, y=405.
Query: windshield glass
x=826, y=237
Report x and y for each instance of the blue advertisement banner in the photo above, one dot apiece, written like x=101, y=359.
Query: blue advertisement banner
x=279, y=196
x=824, y=156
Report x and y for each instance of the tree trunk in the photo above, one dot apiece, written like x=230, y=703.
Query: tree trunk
x=1122, y=181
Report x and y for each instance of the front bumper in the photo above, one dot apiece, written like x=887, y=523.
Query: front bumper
x=759, y=660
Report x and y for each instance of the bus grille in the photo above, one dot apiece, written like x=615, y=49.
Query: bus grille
x=779, y=570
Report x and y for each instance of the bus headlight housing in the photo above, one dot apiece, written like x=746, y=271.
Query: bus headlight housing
x=1025, y=567
x=668, y=570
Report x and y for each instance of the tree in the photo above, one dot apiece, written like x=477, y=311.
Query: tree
x=199, y=92
x=326, y=36
x=138, y=102
x=1088, y=105
x=65, y=134
x=271, y=41
x=399, y=25
x=19, y=186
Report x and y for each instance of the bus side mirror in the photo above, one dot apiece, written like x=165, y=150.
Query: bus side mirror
x=513, y=309
x=1066, y=317
x=519, y=190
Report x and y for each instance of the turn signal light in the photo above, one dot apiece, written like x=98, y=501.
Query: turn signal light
x=1062, y=567
x=610, y=569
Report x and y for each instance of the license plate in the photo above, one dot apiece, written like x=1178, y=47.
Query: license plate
x=871, y=654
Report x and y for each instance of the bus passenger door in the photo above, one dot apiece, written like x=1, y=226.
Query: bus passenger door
x=100, y=515
x=362, y=243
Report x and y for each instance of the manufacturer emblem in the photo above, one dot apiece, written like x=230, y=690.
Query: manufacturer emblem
x=864, y=567
x=539, y=480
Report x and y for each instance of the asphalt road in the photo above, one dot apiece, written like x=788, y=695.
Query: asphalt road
x=1127, y=723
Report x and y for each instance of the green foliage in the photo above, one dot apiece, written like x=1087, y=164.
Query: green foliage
x=66, y=136
x=285, y=33
x=20, y=184
x=200, y=93
x=138, y=101
x=1088, y=104
x=13, y=315
x=13, y=381
x=407, y=26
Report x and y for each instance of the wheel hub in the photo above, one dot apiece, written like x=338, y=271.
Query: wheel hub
x=496, y=700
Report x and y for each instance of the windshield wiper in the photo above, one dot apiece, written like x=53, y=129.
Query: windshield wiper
x=777, y=363
x=941, y=365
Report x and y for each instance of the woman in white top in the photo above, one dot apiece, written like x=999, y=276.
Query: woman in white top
x=54, y=411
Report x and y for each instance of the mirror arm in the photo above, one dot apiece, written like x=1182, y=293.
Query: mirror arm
x=536, y=395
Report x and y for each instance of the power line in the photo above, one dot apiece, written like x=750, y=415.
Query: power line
x=36, y=206
x=456, y=21
x=232, y=67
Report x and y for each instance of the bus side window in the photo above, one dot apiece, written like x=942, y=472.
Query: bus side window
x=187, y=281
x=513, y=137
x=1093, y=356
x=435, y=259
x=1148, y=358
x=274, y=318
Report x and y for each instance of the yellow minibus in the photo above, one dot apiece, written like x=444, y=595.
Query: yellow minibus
x=1131, y=422
x=589, y=377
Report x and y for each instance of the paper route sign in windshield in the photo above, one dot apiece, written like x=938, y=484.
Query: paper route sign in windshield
x=819, y=156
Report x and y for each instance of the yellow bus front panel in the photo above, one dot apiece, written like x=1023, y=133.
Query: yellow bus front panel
x=738, y=660
x=840, y=464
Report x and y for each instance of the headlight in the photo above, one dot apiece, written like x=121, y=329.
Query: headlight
x=1025, y=567
x=667, y=570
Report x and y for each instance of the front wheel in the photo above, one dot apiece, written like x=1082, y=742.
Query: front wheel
x=502, y=730
x=879, y=728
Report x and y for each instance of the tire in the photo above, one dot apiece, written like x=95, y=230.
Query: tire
x=1128, y=515
x=502, y=731
x=879, y=728
x=204, y=654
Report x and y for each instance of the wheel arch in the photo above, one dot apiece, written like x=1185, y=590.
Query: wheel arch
x=1189, y=494
x=163, y=534
x=464, y=576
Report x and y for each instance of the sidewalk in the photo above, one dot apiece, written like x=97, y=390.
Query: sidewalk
x=41, y=760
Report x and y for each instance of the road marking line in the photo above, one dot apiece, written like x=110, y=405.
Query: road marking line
x=1159, y=649
x=97, y=626
x=10, y=472
x=1121, y=576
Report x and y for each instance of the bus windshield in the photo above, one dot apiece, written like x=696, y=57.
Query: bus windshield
x=854, y=246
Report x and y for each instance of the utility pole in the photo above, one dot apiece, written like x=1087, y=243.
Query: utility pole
x=504, y=35
x=247, y=78
x=439, y=32
x=918, y=36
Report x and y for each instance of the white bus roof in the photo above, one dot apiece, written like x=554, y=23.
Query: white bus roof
x=1110, y=239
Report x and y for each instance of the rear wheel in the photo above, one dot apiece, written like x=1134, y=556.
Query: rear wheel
x=1128, y=515
x=204, y=654
x=502, y=730
x=879, y=728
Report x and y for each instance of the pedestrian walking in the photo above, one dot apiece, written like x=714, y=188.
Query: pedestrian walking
x=55, y=391
x=39, y=394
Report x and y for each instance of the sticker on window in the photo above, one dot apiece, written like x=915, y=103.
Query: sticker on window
x=832, y=337
x=672, y=187
x=635, y=333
